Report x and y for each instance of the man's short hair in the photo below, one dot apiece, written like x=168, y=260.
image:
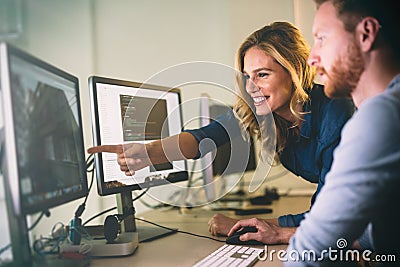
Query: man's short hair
x=351, y=12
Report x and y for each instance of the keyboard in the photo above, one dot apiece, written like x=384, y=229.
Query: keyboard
x=231, y=255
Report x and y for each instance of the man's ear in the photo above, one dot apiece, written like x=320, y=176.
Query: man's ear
x=367, y=30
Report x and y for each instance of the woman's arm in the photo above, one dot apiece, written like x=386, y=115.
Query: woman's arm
x=135, y=156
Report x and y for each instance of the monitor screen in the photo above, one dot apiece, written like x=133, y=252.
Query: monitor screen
x=42, y=151
x=238, y=156
x=233, y=158
x=43, y=140
x=126, y=112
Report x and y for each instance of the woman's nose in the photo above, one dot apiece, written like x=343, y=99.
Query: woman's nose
x=251, y=86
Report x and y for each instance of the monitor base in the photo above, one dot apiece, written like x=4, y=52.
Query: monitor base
x=124, y=245
x=149, y=233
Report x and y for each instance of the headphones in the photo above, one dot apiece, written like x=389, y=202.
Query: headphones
x=112, y=226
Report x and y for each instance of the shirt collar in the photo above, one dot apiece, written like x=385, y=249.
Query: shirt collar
x=394, y=81
x=305, y=130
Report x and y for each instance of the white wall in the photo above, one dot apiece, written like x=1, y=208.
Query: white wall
x=133, y=40
x=136, y=39
x=304, y=11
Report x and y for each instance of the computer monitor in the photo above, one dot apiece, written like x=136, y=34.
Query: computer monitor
x=42, y=151
x=233, y=158
x=126, y=112
x=237, y=157
x=207, y=159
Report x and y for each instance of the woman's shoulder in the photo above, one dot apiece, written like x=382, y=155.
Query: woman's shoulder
x=329, y=115
x=330, y=108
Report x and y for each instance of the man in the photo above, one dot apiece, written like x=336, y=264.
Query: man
x=357, y=54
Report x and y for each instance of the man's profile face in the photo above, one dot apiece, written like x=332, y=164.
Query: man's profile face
x=335, y=53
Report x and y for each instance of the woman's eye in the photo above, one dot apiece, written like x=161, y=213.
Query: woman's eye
x=262, y=74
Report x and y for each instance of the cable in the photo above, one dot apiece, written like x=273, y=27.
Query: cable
x=81, y=207
x=140, y=219
x=76, y=222
x=113, y=208
x=155, y=224
x=179, y=231
x=79, y=211
x=90, y=186
x=98, y=215
x=35, y=223
x=180, y=194
x=90, y=163
x=4, y=249
x=47, y=213
x=50, y=245
x=141, y=194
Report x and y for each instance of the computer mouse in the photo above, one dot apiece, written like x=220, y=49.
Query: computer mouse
x=234, y=239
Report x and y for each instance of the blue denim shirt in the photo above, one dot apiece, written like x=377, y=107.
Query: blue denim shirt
x=309, y=154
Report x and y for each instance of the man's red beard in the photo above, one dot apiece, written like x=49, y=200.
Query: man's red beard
x=345, y=73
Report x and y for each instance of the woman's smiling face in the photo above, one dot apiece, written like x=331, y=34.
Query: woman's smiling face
x=267, y=83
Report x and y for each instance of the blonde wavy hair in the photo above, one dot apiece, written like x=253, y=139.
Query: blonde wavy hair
x=284, y=42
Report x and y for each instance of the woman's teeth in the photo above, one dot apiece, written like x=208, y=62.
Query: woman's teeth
x=259, y=100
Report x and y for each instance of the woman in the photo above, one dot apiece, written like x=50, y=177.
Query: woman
x=274, y=58
x=278, y=79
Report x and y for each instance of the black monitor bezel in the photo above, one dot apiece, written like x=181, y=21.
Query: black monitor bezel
x=10, y=143
x=223, y=154
x=101, y=189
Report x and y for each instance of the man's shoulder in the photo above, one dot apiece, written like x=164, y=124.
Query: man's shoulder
x=377, y=118
x=385, y=105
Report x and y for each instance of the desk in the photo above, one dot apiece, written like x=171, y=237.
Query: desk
x=185, y=250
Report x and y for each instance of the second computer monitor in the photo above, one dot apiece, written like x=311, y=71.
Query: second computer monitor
x=231, y=159
x=126, y=112
x=238, y=156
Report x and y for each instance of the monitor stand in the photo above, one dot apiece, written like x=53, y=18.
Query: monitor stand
x=124, y=245
x=146, y=233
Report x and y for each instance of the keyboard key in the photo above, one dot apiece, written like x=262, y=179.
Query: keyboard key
x=231, y=255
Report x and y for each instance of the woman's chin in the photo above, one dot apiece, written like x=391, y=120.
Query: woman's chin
x=262, y=111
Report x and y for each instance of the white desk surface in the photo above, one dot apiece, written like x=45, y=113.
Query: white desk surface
x=185, y=250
